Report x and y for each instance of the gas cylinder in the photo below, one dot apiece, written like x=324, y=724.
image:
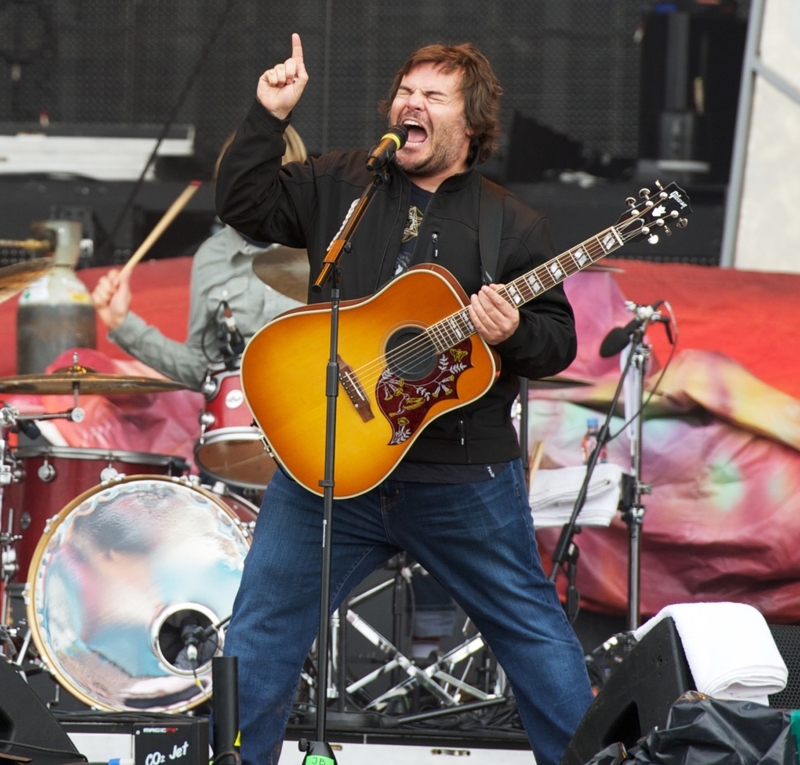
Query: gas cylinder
x=55, y=312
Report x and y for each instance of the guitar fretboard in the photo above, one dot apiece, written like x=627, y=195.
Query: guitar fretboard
x=456, y=327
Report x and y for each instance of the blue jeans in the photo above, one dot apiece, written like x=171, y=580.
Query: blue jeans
x=476, y=539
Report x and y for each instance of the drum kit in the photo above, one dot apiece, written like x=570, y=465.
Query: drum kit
x=127, y=566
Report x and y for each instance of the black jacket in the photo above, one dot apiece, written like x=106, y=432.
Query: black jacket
x=304, y=205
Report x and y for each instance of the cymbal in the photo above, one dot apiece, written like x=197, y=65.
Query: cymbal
x=17, y=276
x=285, y=269
x=65, y=380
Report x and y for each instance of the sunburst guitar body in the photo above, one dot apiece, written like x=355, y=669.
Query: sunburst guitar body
x=393, y=379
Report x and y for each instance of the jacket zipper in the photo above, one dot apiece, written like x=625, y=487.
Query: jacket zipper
x=434, y=246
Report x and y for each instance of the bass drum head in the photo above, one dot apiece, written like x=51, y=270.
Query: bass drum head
x=127, y=580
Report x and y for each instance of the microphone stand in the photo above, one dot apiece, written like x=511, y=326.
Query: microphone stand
x=565, y=549
x=330, y=270
x=633, y=488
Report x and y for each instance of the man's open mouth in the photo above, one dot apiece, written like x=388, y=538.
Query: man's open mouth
x=416, y=133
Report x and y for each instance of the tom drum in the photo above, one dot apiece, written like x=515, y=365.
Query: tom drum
x=230, y=447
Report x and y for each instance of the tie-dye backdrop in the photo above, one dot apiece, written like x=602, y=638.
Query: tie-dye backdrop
x=721, y=450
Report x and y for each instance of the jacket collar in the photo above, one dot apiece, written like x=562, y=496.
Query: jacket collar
x=453, y=183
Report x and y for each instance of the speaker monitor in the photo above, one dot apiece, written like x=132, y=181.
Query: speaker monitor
x=24, y=719
x=787, y=639
x=636, y=697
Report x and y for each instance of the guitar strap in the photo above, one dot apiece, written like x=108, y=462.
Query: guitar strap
x=490, y=225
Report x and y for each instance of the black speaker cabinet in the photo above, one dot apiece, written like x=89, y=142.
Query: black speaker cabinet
x=690, y=68
x=24, y=719
x=636, y=697
x=787, y=638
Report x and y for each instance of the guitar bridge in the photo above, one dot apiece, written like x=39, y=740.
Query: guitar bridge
x=354, y=390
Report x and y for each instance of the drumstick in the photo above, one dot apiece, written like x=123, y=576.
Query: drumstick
x=166, y=219
x=537, y=452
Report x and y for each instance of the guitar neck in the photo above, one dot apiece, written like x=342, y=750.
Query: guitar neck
x=641, y=220
x=456, y=327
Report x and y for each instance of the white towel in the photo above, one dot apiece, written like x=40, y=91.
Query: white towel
x=553, y=493
x=729, y=648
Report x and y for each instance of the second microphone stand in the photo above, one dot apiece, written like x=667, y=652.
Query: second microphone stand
x=632, y=509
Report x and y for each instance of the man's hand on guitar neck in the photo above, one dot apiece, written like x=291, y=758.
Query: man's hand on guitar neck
x=279, y=89
x=494, y=318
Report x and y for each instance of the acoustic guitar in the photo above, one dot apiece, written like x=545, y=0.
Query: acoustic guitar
x=407, y=355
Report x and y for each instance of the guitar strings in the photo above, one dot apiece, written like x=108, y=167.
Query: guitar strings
x=369, y=373
x=419, y=347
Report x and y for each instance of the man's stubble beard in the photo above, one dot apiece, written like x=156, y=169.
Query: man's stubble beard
x=445, y=152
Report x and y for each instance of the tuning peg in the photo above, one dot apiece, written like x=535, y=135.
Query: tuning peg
x=667, y=231
x=658, y=185
x=682, y=222
x=631, y=202
x=653, y=239
x=644, y=193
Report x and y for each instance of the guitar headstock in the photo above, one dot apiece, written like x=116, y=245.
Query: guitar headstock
x=651, y=215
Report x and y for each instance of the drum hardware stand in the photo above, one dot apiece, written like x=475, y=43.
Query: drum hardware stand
x=12, y=419
x=436, y=678
x=633, y=373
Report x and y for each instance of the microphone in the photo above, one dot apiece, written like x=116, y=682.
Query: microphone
x=619, y=337
x=616, y=340
x=391, y=141
x=236, y=341
x=190, y=636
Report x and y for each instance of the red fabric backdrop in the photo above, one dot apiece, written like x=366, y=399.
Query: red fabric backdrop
x=747, y=315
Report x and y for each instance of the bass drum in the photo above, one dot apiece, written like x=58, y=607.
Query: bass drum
x=47, y=478
x=129, y=587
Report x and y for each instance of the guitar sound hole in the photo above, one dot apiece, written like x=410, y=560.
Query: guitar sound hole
x=410, y=355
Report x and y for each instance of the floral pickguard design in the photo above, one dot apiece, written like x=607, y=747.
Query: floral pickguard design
x=405, y=403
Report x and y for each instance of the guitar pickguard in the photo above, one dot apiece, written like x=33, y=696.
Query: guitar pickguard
x=406, y=403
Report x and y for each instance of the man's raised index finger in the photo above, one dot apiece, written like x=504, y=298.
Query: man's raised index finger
x=297, y=47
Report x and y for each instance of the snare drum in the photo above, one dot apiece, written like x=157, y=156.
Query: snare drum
x=230, y=447
x=47, y=478
x=119, y=576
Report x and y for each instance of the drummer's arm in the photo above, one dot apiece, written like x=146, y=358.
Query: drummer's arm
x=112, y=299
x=185, y=362
x=150, y=346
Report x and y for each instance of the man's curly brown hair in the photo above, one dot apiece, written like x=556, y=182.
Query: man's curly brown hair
x=479, y=87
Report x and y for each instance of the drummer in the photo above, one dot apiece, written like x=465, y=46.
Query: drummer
x=222, y=279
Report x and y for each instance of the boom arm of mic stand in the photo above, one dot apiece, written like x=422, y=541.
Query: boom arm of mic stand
x=568, y=530
x=342, y=241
